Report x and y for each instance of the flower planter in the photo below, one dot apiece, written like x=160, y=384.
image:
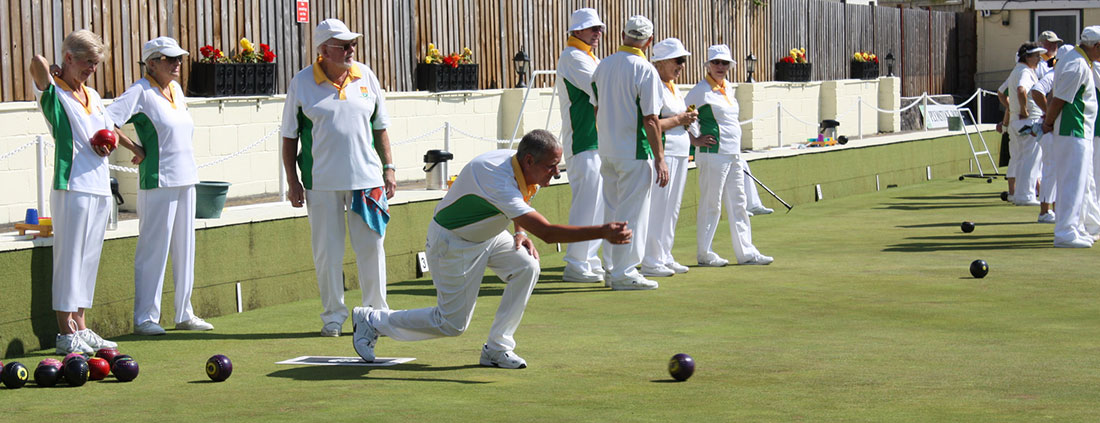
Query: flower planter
x=436, y=77
x=793, y=72
x=231, y=79
x=864, y=70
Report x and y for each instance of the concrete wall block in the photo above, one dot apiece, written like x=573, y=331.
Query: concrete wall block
x=223, y=140
x=206, y=114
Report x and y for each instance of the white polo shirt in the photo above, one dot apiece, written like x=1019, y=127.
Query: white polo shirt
x=627, y=88
x=334, y=125
x=1073, y=83
x=718, y=115
x=76, y=166
x=1027, y=80
x=574, y=80
x=485, y=197
x=1013, y=78
x=165, y=129
x=1044, y=84
x=676, y=141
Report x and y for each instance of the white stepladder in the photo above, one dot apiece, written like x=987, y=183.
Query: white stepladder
x=989, y=177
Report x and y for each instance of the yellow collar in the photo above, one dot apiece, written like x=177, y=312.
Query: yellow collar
x=1085, y=56
x=319, y=77
x=527, y=190
x=171, y=97
x=635, y=51
x=580, y=45
x=672, y=88
x=87, y=103
x=719, y=87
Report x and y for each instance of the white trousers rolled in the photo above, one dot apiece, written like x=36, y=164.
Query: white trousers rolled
x=752, y=195
x=79, y=225
x=1048, y=180
x=1092, y=194
x=1028, y=156
x=457, y=268
x=1073, y=160
x=664, y=212
x=626, y=194
x=328, y=210
x=585, y=209
x=722, y=180
x=166, y=225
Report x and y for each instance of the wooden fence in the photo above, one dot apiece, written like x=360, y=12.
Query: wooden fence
x=935, y=50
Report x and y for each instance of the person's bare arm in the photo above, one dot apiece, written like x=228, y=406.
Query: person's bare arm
x=653, y=135
x=295, y=193
x=382, y=144
x=535, y=223
x=681, y=119
x=137, y=149
x=40, y=72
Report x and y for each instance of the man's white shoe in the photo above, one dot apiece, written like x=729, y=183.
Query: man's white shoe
x=570, y=275
x=1047, y=217
x=1031, y=202
x=365, y=336
x=677, y=267
x=633, y=284
x=502, y=359
x=331, y=329
x=760, y=260
x=68, y=344
x=760, y=210
x=194, y=324
x=713, y=261
x=148, y=328
x=657, y=272
x=1076, y=243
x=95, y=341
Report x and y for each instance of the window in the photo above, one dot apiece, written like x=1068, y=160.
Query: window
x=1065, y=23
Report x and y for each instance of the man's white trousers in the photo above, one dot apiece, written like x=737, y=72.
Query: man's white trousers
x=1048, y=180
x=1073, y=161
x=626, y=195
x=585, y=209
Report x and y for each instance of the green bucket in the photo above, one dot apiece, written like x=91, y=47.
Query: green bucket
x=955, y=123
x=210, y=199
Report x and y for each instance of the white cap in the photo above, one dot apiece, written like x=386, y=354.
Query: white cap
x=638, y=27
x=720, y=52
x=164, y=46
x=1064, y=49
x=332, y=28
x=669, y=48
x=584, y=18
x=1050, y=37
x=1091, y=34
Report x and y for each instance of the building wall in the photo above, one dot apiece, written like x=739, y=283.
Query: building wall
x=997, y=43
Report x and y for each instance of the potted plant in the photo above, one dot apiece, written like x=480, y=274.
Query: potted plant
x=864, y=65
x=249, y=72
x=445, y=73
x=794, y=67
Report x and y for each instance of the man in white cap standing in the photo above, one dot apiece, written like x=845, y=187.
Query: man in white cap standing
x=627, y=89
x=337, y=109
x=1071, y=117
x=578, y=138
x=1050, y=42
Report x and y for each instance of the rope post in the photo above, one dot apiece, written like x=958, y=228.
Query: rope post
x=924, y=102
x=40, y=158
x=446, y=147
x=779, y=122
x=981, y=96
x=282, y=178
x=859, y=116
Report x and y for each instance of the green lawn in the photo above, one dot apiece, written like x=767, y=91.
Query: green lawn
x=868, y=314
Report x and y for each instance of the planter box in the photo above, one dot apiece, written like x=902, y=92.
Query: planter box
x=436, y=77
x=864, y=70
x=231, y=79
x=793, y=72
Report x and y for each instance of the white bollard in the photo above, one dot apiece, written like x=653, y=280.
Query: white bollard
x=779, y=122
x=859, y=116
x=40, y=157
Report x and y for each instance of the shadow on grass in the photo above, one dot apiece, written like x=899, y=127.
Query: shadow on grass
x=961, y=235
x=933, y=206
x=955, y=246
x=956, y=224
x=961, y=196
x=667, y=381
x=321, y=373
x=174, y=335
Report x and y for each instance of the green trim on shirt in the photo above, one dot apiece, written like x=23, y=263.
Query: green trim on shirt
x=708, y=125
x=149, y=169
x=305, y=157
x=642, y=149
x=62, y=131
x=582, y=118
x=1073, y=116
x=467, y=210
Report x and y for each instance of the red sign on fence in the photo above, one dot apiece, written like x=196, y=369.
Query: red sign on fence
x=303, y=11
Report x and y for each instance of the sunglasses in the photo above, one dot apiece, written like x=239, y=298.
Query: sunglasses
x=345, y=47
x=719, y=62
x=680, y=60
x=178, y=59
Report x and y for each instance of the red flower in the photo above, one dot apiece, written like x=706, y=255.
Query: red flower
x=875, y=60
x=452, y=60
x=787, y=59
x=268, y=56
x=265, y=48
x=206, y=50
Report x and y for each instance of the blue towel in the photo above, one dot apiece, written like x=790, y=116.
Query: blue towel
x=372, y=206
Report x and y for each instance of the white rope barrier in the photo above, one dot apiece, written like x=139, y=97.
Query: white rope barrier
x=418, y=137
x=796, y=117
x=17, y=150
x=242, y=151
x=478, y=138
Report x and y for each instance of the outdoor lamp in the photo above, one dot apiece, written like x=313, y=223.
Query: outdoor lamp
x=750, y=66
x=890, y=64
x=520, y=61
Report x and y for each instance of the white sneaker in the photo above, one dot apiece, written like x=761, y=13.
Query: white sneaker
x=759, y=260
x=1031, y=202
x=657, y=272
x=1076, y=243
x=331, y=329
x=68, y=344
x=149, y=328
x=633, y=284
x=713, y=261
x=95, y=341
x=365, y=336
x=502, y=359
x=677, y=267
x=760, y=210
x=194, y=324
x=570, y=275
x=1047, y=217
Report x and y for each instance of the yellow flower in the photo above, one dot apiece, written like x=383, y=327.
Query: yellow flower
x=803, y=51
x=794, y=52
x=431, y=46
x=247, y=46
